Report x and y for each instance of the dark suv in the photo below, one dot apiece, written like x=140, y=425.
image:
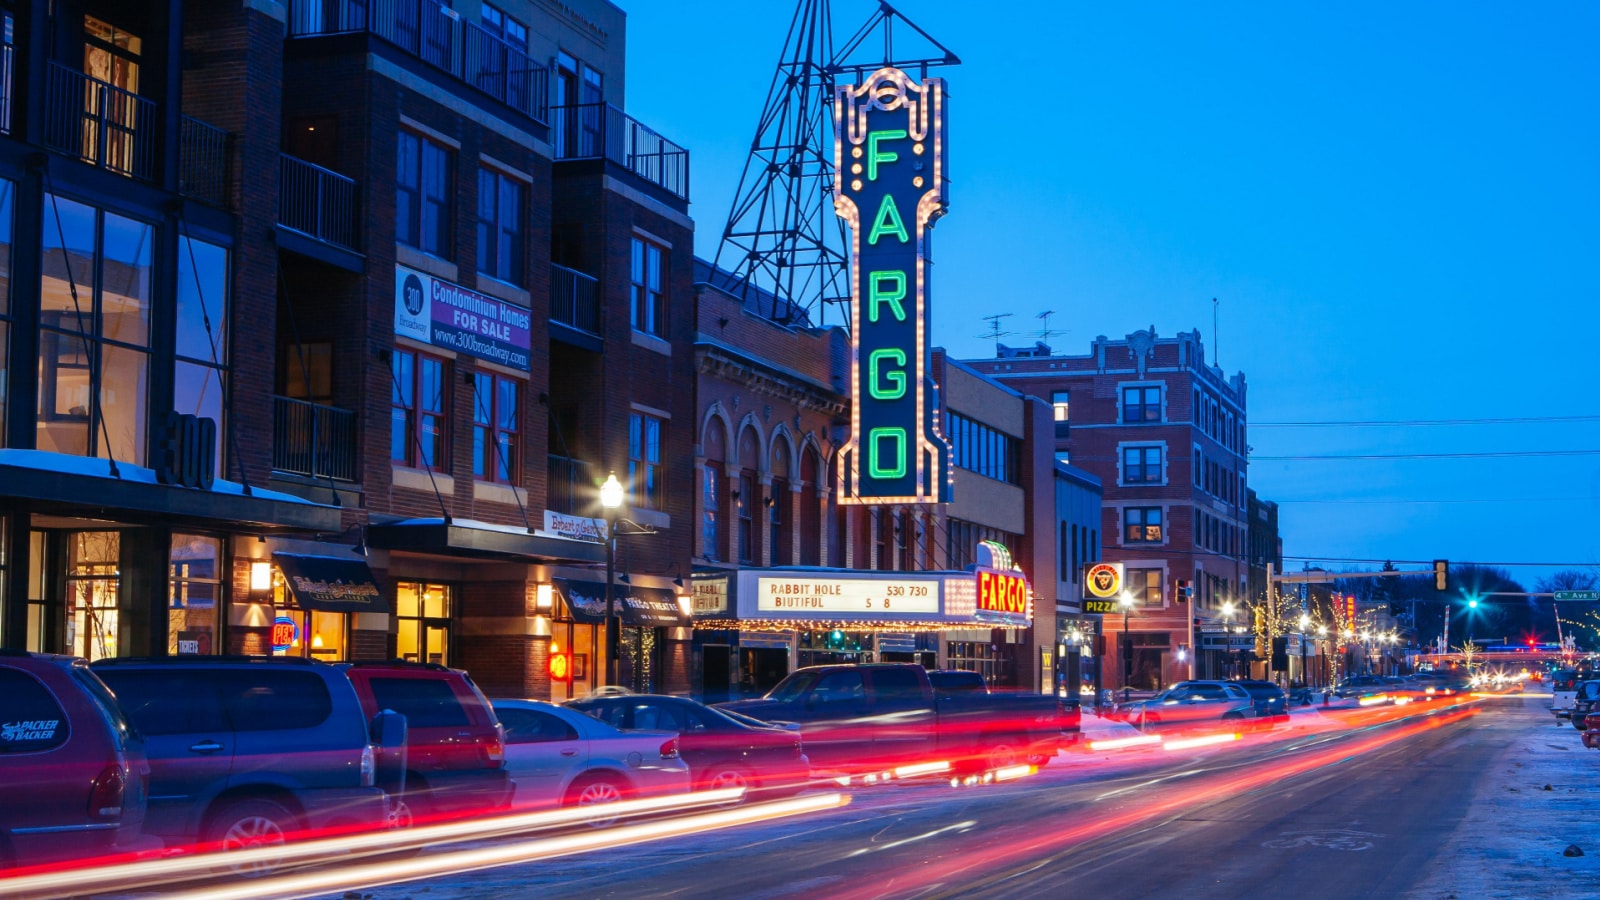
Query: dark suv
x=246, y=751
x=1269, y=701
x=455, y=750
x=72, y=771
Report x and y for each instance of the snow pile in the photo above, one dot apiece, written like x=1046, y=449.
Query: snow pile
x=1511, y=843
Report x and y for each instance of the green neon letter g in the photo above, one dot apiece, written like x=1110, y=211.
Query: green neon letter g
x=889, y=385
x=875, y=156
x=886, y=287
x=896, y=457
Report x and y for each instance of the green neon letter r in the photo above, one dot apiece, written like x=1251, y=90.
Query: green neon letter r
x=886, y=287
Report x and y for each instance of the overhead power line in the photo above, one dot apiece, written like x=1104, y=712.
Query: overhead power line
x=1453, y=563
x=1420, y=500
x=1409, y=423
x=1485, y=454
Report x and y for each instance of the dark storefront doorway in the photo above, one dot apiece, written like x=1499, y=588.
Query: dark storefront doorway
x=762, y=668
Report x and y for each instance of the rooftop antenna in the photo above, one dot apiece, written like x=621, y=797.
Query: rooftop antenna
x=994, y=333
x=1045, y=332
x=1216, y=337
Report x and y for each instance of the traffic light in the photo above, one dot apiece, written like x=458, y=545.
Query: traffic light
x=1441, y=575
x=1185, y=591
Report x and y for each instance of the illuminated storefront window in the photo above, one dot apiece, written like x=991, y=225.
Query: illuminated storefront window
x=92, y=590
x=310, y=634
x=423, y=612
x=195, y=585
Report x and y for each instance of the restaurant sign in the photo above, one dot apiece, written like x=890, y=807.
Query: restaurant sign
x=446, y=315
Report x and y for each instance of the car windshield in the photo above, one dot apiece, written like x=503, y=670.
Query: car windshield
x=792, y=687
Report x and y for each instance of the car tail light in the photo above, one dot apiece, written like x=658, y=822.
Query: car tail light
x=669, y=750
x=495, y=749
x=369, y=767
x=106, y=793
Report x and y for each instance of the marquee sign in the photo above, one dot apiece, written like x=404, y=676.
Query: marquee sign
x=890, y=169
x=1003, y=597
x=862, y=596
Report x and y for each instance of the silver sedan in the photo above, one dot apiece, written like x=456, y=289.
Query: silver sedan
x=561, y=757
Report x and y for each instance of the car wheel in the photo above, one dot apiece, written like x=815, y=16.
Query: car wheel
x=596, y=792
x=728, y=779
x=250, y=825
x=1148, y=722
x=1001, y=755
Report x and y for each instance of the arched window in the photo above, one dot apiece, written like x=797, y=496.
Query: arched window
x=811, y=536
x=745, y=502
x=780, y=523
x=714, y=444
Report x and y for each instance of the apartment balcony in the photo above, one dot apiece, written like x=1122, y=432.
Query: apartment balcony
x=571, y=487
x=313, y=440
x=437, y=35
x=318, y=209
x=98, y=123
x=204, y=162
x=575, y=304
x=601, y=131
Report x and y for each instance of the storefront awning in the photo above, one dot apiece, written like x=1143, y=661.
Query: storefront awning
x=71, y=485
x=638, y=606
x=465, y=537
x=331, y=584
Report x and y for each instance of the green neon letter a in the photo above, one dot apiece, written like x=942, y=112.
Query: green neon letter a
x=887, y=222
x=897, y=458
x=896, y=379
x=886, y=287
x=875, y=156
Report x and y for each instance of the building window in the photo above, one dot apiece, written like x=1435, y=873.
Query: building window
x=195, y=584
x=200, y=372
x=494, y=428
x=417, y=410
x=5, y=281
x=880, y=530
x=1145, y=586
x=979, y=448
x=111, y=57
x=422, y=614
x=1141, y=404
x=1058, y=406
x=782, y=551
x=648, y=310
x=422, y=195
x=710, y=510
x=746, y=510
x=1141, y=465
x=503, y=26
x=1141, y=525
x=94, y=332
x=500, y=226
x=644, y=460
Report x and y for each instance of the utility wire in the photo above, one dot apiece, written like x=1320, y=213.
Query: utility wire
x=1487, y=454
x=1409, y=423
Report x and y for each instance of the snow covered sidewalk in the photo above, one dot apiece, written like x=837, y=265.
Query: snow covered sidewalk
x=1541, y=795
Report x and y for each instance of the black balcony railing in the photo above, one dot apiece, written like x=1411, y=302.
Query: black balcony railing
x=571, y=486
x=99, y=123
x=437, y=35
x=203, y=162
x=600, y=130
x=313, y=440
x=316, y=202
x=574, y=299
x=7, y=54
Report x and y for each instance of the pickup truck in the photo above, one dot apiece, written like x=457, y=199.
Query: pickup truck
x=866, y=717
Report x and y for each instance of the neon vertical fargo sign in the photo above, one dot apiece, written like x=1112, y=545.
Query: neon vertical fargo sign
x=890, y=170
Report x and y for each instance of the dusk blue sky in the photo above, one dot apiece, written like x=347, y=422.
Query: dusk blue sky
x=1396, y=205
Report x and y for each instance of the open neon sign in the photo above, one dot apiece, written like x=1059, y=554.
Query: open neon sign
x=889, y=161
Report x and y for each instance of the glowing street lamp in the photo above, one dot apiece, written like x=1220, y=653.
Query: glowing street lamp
x=611, y=497
x=1126, y=602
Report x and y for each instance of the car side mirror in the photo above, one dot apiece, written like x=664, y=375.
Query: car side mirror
x=388, y=729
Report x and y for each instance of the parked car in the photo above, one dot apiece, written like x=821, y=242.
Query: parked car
x=1360, y=687
x=1190, y=703
x=1585, y=700
x=562, y=757
x=455, y=752
x=722, y=751
x=1563, y=691
x=865, y=717
x=73, y=774
x=1269, y=702
x=249, y=751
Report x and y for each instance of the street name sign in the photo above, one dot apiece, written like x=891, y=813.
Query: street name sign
x=1578, y=595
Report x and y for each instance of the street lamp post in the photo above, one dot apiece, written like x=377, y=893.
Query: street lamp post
x=1305, y=626
x=1227, y=635
x=1322, y=635
x=611, y=504
x=1126, y=602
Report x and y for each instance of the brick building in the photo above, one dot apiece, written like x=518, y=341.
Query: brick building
x=772, y=413
x=441, y=284
x=1164, y=431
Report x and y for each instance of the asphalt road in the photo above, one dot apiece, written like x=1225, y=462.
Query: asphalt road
x=1361, y=812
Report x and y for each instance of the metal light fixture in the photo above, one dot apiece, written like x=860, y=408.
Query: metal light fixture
x=544, y=597
x=260, y=577
x=1305, y=622
x=611, y=492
